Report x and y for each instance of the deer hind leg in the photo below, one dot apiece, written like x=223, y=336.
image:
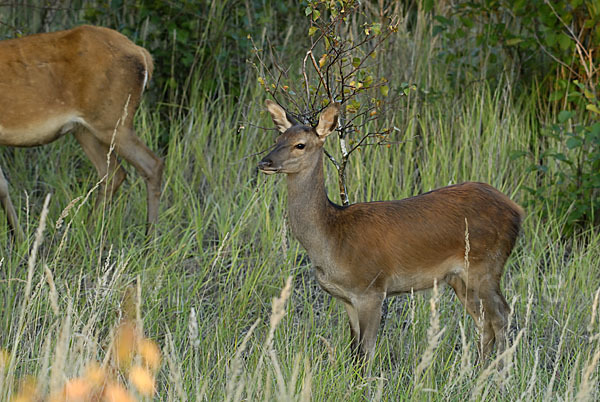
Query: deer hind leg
x=476, y=309
x=497, y=311
x=148, y=165
x=108, y=167
x=9, y=208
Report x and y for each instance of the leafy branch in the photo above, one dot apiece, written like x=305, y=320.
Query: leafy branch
x=349, y=72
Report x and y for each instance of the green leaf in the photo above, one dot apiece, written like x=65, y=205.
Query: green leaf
x=517, y=154
x=565, y=115
x=308, y=11
x=312, y=30
x=556, y=95
x=355, y=62
x=316, y=14
x=384, y=90
x=428, y=5
x=513, y=41
x=561, y=157
x=376, y=28
x=574, y=142
x=564, y=41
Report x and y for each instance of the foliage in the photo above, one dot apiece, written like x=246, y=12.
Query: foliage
x=492, y=37
x=349, y=70
x=559, y=42
x=574, y=187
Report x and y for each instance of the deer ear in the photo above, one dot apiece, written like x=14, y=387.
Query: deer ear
x=328, y=121
x=279, y=116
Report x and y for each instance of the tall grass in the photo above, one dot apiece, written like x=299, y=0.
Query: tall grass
x=207, y=289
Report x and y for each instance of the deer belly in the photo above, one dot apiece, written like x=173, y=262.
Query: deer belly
x=37, y=132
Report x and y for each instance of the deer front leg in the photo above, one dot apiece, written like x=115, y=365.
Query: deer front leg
x=354, y=328
x=368, y=307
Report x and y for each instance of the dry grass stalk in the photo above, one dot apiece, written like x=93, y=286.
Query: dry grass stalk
x=433, y=336
x=193, y=332
x=501, y=366
x=589, y=381
x=277, y=315
x=65, y=212
x=27, y=292
x=466, y=367
x=57, y=373
x=175, y=377
x=305, y=394
x=549, y=388
x=527, y=395
x=329, y=348
x=590, y=327
x=53, y=293
x=234, y=389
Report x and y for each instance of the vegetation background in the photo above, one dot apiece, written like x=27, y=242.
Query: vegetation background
x=504, y=92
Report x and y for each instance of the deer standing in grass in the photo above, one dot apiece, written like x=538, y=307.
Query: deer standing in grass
x=89, y=81
x=364, y=252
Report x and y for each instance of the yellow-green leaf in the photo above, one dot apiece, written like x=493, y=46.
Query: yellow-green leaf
x=311, y=31
x=593, y=108
x=384, y=90
x=588, y=94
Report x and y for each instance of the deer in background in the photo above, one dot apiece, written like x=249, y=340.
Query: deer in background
x=364, y=252
x=88, y=80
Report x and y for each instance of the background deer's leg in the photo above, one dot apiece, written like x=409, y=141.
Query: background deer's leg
x=9, y=208
x=133, y=150
x=107, y=166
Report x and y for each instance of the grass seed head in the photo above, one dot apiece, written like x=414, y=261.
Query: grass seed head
x=116, y=393
x=4, y=359
x=125, y=344
x=150, y=353
x=95, y=375
x=77, y=390
x=143, y=380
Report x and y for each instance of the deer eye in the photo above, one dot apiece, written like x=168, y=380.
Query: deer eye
x=299, y=146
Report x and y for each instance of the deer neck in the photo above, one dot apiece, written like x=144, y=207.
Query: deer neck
x=309, y=209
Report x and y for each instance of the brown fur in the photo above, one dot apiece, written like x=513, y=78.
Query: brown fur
x=367, y=251
x=80, y=79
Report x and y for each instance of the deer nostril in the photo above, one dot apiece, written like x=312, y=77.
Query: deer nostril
x=265, y=163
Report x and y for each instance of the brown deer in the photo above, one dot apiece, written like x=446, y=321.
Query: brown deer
x=364, y=252
x=89, y=81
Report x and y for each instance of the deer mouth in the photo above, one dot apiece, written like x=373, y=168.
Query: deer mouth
x=268, y=170
x=266, y=166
